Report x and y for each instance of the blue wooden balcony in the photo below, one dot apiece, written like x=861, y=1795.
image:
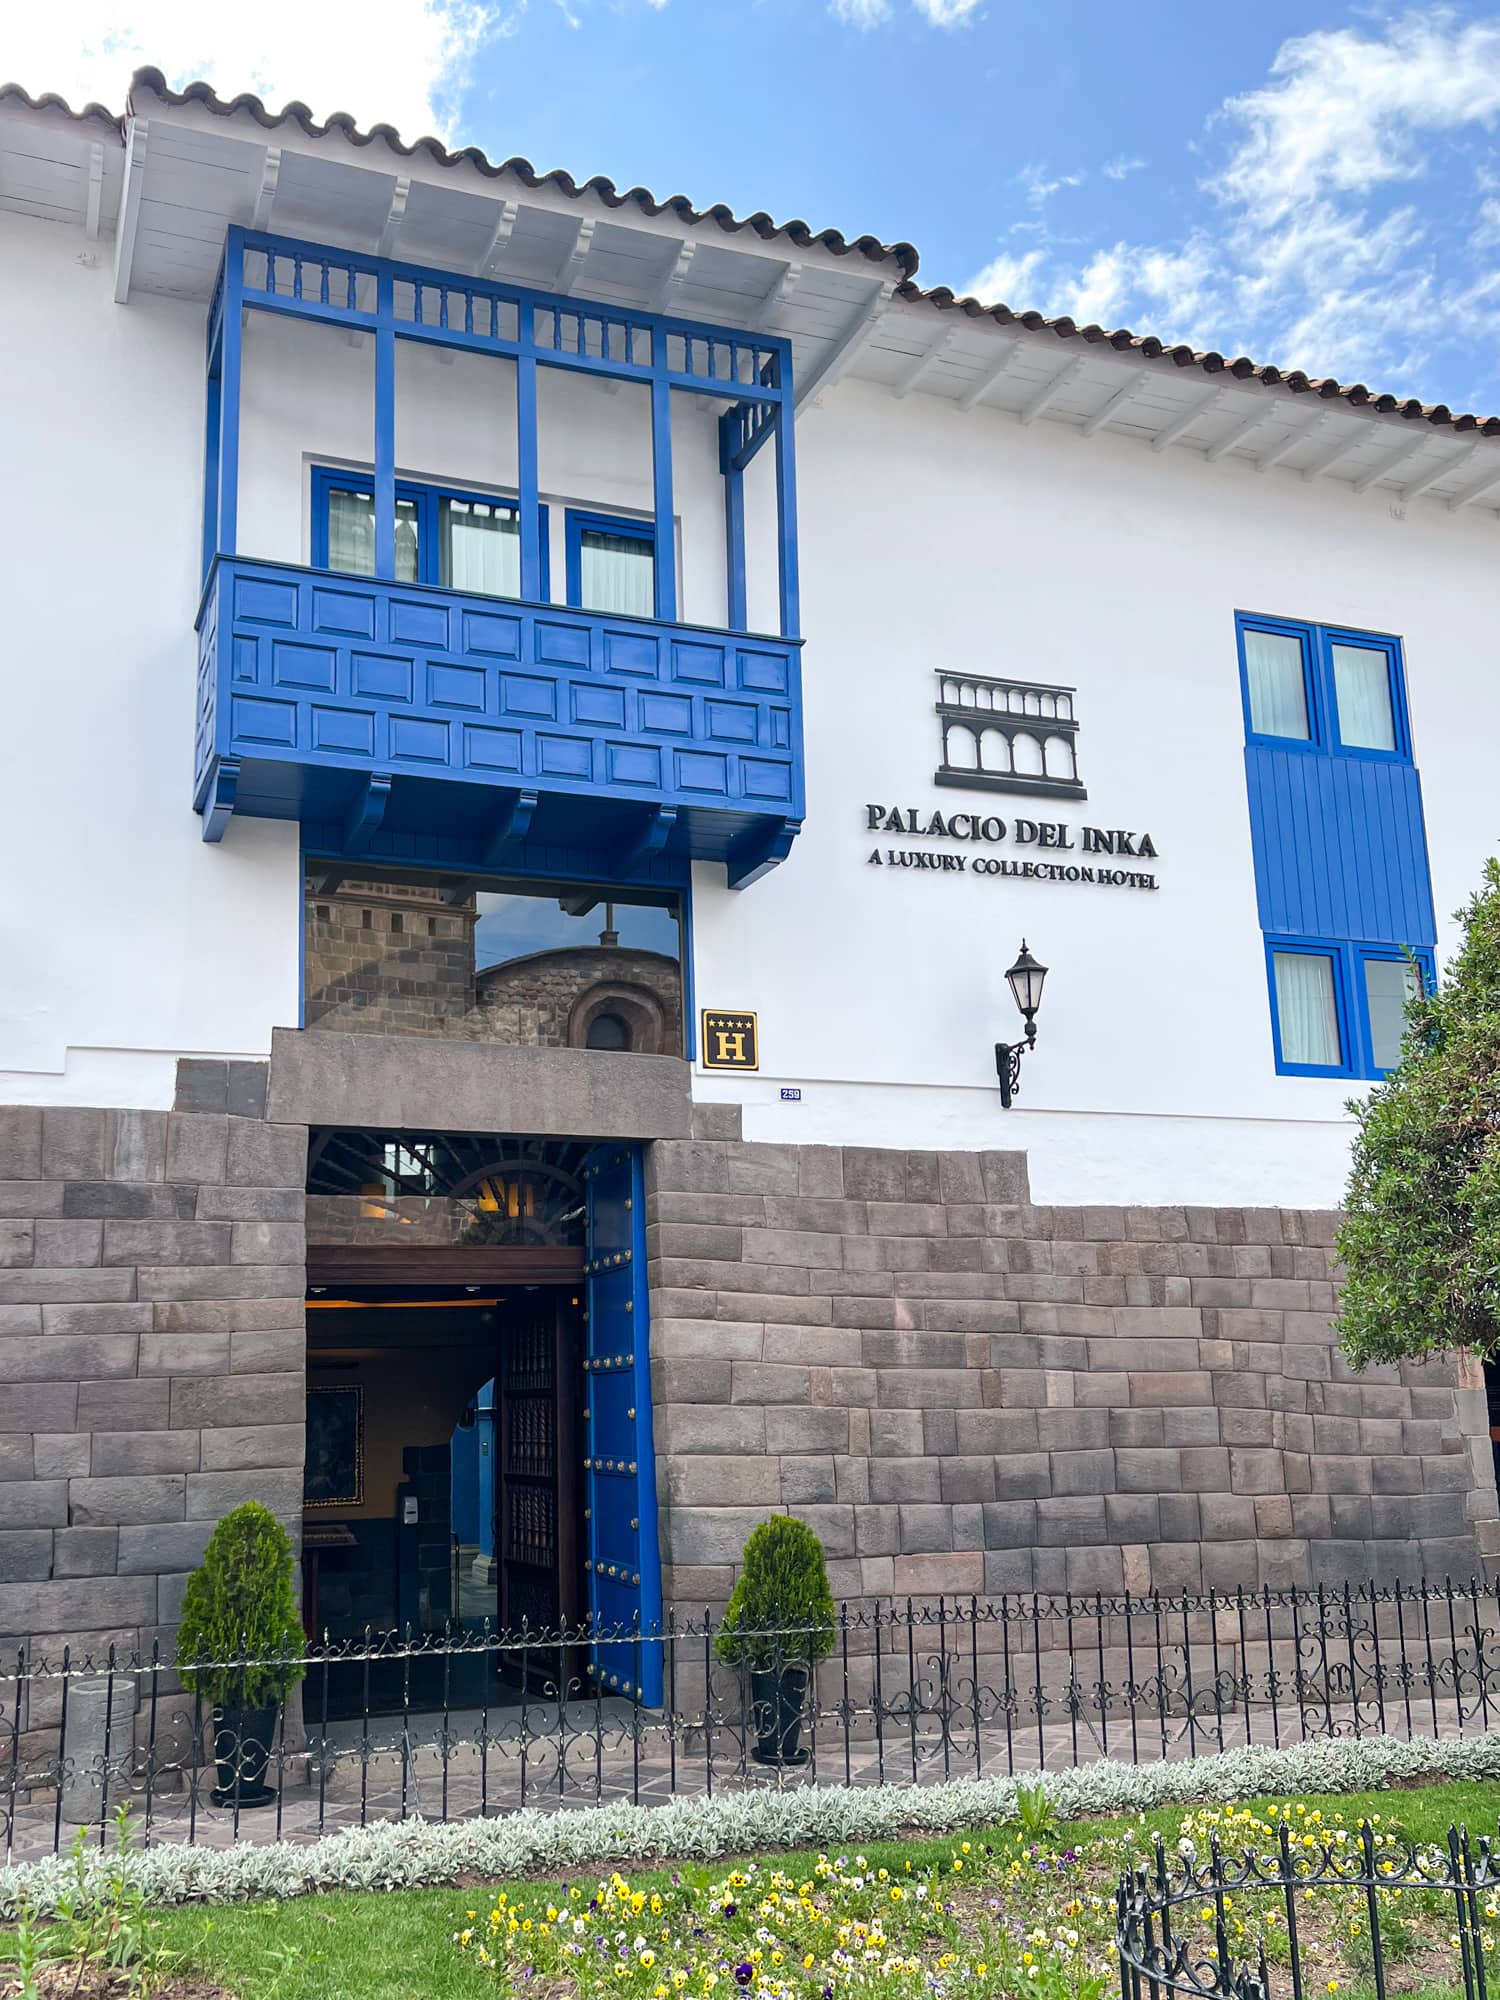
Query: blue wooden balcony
x=356, y=703
x=413, y=722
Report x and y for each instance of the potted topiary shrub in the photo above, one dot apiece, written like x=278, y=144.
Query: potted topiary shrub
x=239, y=1644
x=778, y=1625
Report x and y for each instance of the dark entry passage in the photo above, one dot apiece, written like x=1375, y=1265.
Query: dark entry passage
x=443, y=1474
x=473, y=1459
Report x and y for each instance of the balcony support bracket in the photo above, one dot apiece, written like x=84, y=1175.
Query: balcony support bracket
x=219, y=803
x=756, y=853
x=511, y=825
x=367, y=812
x=651, y=837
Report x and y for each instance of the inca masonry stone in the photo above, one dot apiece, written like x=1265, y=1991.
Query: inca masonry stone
x=1048, y=1398
x=959, y=1388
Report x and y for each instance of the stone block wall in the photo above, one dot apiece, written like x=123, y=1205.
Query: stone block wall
x=963, y=1391
x=152, y=1349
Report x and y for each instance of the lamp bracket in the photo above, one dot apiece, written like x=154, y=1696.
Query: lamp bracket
x=1008, y=1065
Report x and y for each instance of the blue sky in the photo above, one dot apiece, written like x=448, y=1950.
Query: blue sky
x=1316, y=185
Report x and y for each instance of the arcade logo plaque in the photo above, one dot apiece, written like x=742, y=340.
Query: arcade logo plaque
x=1003, y=735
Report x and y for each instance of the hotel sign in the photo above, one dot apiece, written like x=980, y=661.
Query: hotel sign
x=1103, y=857
x=1006, y=735
x=730, y=1039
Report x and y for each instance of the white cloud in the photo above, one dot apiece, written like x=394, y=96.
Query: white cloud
x=1010, y=281
x=1345, y=112
x=1118, y=168
x=875, y=13
x=1343, y=214
x=1102, y=287
x=401, y=61
x=947, y=13
x=1039, y=189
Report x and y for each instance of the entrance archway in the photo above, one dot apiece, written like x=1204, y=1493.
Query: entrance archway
x=444, y=1269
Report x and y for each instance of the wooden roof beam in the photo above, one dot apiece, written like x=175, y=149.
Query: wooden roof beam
x=671, y=285
x=771, y=302
x=495, y=249
x=850, y=344
x=1119, y=402
x=1236, y=435
x=1052, y=388
x=1408, y=448
x=1345, y=440
x=1290, y=443
x=981, y=386
x=265, y=189
x=1184, y=421
x=923, y=361
x=130, y=205
x=1477, y=489
x=578, y=255
x=394, y=215
x=95, y=198
x=1454, y=462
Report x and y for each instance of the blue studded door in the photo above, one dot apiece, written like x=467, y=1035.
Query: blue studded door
x=623, y=1563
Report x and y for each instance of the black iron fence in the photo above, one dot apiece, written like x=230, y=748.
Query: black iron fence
x=1366, y=1910
x=466, y=1721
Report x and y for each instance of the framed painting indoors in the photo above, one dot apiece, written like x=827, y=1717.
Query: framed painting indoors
x=335, y=1471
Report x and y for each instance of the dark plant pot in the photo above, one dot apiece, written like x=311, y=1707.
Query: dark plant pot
x=243, y=1738
x=777, y=1701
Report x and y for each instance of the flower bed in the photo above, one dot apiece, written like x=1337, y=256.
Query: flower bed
x=1016, y=1918
x=414, y=1853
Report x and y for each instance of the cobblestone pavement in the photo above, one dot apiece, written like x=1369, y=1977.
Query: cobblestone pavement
x=391, y=1773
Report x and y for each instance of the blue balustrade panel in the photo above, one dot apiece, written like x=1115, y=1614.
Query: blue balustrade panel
x=1340, y=846
x=352, y=674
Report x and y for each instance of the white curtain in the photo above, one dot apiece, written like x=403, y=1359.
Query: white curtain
x=1306, y=1009
x=1278, y=688
x=351, y=532
x=351, y=535
x=1362, y=684
x=616, y=573
x=481, y=548
x=1389, y=984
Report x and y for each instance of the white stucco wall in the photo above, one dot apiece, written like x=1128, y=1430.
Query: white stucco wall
x=928, y=539
x=933, y=539
x=123, y=939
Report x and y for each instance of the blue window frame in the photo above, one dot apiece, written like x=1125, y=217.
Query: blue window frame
x=611, y=563
x=1322, y=689
x=452, y=536
x=1337, y=1006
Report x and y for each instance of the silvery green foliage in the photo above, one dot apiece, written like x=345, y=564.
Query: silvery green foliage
x=414, y=1854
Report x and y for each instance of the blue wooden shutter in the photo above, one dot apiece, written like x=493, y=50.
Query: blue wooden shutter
x=623, y=1564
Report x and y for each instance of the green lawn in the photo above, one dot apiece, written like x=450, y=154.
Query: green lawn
x=398, y=1946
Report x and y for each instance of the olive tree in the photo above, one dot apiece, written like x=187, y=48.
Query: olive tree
x=1421, y=1233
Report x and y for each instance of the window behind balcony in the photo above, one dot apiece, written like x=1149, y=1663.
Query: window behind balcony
x=461, y=541
x=479, y=546
x=611, y=565
x=351, y=534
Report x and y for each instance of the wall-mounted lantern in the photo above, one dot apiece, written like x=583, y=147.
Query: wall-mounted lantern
x=1025, y=979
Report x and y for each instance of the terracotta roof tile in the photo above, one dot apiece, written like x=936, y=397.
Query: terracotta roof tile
x=1208, y=362
x=765, y=226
